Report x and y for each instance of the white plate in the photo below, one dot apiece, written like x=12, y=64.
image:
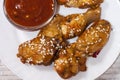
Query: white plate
x=10, y=38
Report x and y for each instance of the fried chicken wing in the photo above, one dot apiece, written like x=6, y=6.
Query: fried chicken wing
x=43, y=48
x=38, y=50
x=74, y=24
x=73, y=58
x=80, y=3
x=94, y=38
x=68, y=64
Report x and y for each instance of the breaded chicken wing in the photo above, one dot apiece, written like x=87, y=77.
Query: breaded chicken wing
x=73, y=58
x=42, y=49
x=80, y=3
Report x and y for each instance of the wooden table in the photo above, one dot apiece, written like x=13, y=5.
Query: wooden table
x=112, y=74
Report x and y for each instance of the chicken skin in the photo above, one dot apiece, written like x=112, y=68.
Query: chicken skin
x=80, y=3
x=73, y=58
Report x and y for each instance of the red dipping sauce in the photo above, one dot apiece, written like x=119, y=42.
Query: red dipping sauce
x=29, y=14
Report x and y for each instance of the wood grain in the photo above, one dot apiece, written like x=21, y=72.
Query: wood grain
x=112, y=74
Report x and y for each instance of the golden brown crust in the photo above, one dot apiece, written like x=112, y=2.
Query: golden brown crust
x=80, y=3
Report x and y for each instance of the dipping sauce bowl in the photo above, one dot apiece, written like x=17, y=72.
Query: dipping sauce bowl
x=30, y=14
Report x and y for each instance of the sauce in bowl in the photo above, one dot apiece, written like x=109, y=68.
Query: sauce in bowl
x=29, y=14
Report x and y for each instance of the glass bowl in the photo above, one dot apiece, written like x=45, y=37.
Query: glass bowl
x=14, y=11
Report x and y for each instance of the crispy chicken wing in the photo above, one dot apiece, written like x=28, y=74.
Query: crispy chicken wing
x=42, y=49
x=69, y=63
x=39, y=50
x=80, y=3
x=74, y=24
x=94, y=38
x=73, y=58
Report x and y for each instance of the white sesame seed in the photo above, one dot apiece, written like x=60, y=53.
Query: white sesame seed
x=38, y=62
x=29, y=60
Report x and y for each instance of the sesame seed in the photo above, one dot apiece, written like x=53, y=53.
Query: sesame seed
x=29, y=60
x=96, y=35
x=96, y=42
x=93, y=32
x=53, y=39
x=100, y=40
x=88, y=43
x=83, y=55
x=79, y=30
x=77, y=18
x=66, y=61
x=90, y=53
x=71, y=32
x=79, y=45
x=70, y=60
x=87, y=49
x=79, y=41
x=38, y=62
